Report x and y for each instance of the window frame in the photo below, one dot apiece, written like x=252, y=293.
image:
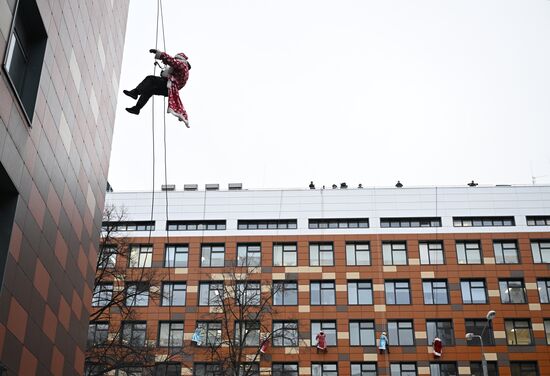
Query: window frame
x=365, y=329
x=251, y=331
x=361, y=371
x=285, y=292
x=479, y=326
x=392, y=251
x=283, y=371
x=212, y=249
x=100, y=293
x=286, y=249
x=402, y=372
x=211, y=301
x=511, y=329
x=315, y=249
x=352, y=251
x=357, y=299
x=440, y=372
x=107, y=256
x=543, y=284
x=322, y=371
x=426, y=254
x=325, y=287
x=144, y=256
x=464, y=257
x=133, y=330
x=396, y=291
x=103, y=333
x=289, y=337
x=506, y=283
x=139, y=297
x=210, y=326
x=329, y=327
x=174, y=262
x=169, y=297
x=500, y=251
x=398, y=330
x=251, y=291
x=469, y=282
x=521, y=371
x=431, y=283
x=540, y=257
x=171, y=333
x=446, y=334
x=247, y=257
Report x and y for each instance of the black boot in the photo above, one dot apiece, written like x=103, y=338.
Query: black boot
x=131, y=93
x=133, y=110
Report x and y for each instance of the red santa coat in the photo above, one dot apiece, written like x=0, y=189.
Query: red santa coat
x=177, y=78
x=321, y=341
x=437, y=347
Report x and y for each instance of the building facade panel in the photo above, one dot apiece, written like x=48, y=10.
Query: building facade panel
x=54, y=153
x=473, y=286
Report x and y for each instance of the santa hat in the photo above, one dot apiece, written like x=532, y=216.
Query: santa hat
x=181, y=56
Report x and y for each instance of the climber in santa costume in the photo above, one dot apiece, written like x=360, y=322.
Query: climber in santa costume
x=170, y=82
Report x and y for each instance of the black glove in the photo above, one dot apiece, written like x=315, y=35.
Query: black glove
x=153, y=51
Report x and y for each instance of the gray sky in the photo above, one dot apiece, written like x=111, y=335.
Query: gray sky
x=283, y=92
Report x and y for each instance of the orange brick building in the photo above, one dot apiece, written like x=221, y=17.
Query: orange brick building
x=416, y=263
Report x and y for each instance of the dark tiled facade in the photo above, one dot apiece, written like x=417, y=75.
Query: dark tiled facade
x=55, y=162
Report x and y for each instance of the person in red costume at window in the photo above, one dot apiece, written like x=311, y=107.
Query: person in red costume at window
x=321, y=339
x=437, y=347
x=172, y=78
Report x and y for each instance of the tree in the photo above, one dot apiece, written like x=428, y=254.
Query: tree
x=240, y=324
x=115, y=339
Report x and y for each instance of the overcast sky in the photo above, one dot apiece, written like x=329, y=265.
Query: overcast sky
x=360, y=91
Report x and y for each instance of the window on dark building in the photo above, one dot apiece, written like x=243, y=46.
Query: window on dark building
x=8, y=203
x=249, y=254
x=323, y=293
x=170, y=334
x=479, y=326
x=328, y=327
x=247, y=333
x=248, y=293
x=212, y=332
x=468, y=252
x=167, y=369
x=141, y=256
x=506, y=251
x=285, y=293
x=176, y=255
x=107, y=257
x=362, y=333
x=435, y=292
x=397, y=292
x=476, y=369
x=207, y=369
x=334, y=223
x=403, y=369
x=473, y=291
x=285, y=333
x=443, y=369
x=324, y=369
x=543, y=285
x=212, y=255
x=401, y=333
x=102, y=295
x=358, y=254
x=363, y=369
x=512, y=291
x=442, y=329
x=524, y=369
x=137, y=294
x=483, y=221
x=359, y=292
x=410, y=222
x=25, y=54
x=394, y=253
x=538, y=220
x=321, y=254
x=134, y=333
x=518, y=332
x=431, y=253
x=174, y=293
x=541, y=251
x=284, y=369
x=210, y=293
x=285, y=254
x=98, y=332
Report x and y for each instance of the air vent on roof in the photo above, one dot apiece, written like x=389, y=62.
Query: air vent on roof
x=212, y=187
x=190, y=187
x=235, y=186
x=168, y=187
